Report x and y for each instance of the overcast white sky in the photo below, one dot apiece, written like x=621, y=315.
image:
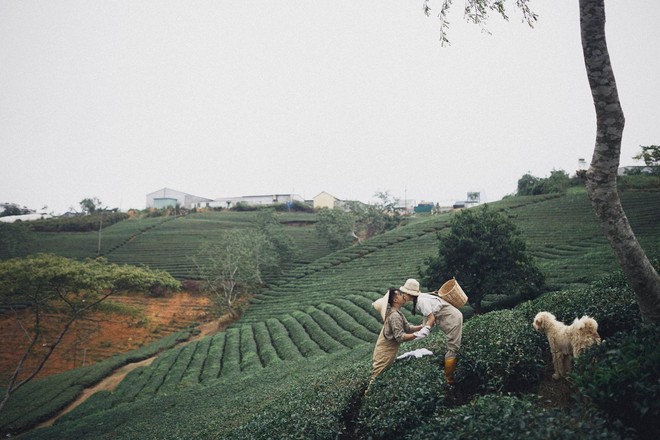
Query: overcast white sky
x=217, y=98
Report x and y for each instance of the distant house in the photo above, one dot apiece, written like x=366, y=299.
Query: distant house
x=326, y=200
x=404, y=206
x=259, y=200
x=424, y=207
x=168, y=197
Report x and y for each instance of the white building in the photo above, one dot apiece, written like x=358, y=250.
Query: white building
x=168, y=197
x=259, y=200
x=326, y=200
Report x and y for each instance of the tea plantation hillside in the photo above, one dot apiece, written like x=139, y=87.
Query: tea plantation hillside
x=561, y=230
x=166, y=243
x=313, y=323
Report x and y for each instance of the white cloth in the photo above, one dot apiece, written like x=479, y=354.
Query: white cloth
x=415, y=353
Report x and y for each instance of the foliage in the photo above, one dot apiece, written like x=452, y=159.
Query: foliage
x=620, y=377
x=477, y=11
x=83, y=223
x=608, y=300
x=283, y=245
x=15, y=239
x=207, y=389
x=75, y=287
x=233, y=265
x=13, y=209
x=402, y=397
x=557, y=182
x=485, y=252
x=321, y=396
x=90, y=205
x=336, y=227
x=638, y=182
x=505, y=416
x=295, y=206
x=375, y=219
x=317, y=410
x=650, y=154
x=500, y=352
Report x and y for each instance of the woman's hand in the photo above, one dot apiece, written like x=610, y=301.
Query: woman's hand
x=421, y=334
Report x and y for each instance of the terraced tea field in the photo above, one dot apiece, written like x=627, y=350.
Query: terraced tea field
x=323, y=308
x=167, y=243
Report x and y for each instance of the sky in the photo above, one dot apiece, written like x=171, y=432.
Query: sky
x=116, y=99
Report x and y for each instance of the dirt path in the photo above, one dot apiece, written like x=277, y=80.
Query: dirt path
x=111, y=382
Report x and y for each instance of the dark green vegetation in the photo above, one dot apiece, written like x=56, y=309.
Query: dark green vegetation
x=488, y=253
x=296, y=364
x=167, y=242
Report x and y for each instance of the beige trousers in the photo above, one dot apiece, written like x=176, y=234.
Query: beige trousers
x=450, y=321
x=384, y=353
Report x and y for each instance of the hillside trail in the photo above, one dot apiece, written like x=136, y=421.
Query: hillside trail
x=111, y=382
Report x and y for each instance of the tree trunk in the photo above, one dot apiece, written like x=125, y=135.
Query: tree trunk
x=602, y=174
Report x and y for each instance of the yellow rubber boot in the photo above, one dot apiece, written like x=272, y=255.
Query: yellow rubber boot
x=450, y=367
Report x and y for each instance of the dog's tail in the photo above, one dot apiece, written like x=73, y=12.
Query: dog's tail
x=587, y=325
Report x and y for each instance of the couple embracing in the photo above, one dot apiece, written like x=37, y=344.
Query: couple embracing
x=396, y=329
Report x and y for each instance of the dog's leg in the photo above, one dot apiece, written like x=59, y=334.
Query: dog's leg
x=557, y=364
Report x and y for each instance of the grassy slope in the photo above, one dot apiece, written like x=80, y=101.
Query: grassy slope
x=320, y=318
x=167, y=242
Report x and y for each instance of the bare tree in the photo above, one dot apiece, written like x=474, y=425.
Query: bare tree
x=233, y=265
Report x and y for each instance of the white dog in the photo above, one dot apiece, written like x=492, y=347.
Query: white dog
x=566, y=341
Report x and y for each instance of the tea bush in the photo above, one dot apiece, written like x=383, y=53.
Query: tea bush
x=316, y=409
x=282, y=343
x=620, y=377
x=510, y=417
x=500, y=352
x=609, y=301
x=212, y=362
x=401, y=397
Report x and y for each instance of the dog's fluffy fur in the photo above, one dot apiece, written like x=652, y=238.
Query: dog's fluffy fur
x=566, y=341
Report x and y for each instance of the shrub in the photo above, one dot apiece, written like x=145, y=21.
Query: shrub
x=504, y=417
x=620, y=377
x=500, y=352
x=402, y=397
x=638, y=182
x=83, y=223
x=613, y=306
x=317, y=409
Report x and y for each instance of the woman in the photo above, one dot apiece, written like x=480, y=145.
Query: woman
x=396, y=330
x=436, y=310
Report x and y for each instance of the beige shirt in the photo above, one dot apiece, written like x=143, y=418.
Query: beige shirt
x=396, y=325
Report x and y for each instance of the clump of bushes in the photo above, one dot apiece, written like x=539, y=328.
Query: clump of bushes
x=83, y=223
x=500, y=353
x=620, y=378
x=638, y=182
x=316, y=409
x=609, y=300
x=505, y=416
x=405, y=394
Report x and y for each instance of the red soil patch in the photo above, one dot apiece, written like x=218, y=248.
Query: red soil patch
x=104, y=334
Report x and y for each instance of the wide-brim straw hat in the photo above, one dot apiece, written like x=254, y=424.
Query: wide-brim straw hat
x=411, y=287
x=381, y=305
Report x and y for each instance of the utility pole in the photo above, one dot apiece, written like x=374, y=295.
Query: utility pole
x=98, y=249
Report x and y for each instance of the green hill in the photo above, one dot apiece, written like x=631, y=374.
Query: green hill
x=167, y=242
x=306, y=341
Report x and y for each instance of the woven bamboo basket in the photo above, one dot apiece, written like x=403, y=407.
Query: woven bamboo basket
x=452, y=292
